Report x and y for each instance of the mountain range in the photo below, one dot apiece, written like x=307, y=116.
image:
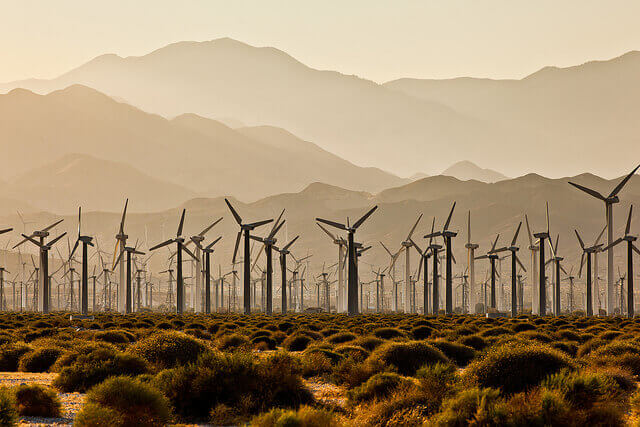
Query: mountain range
x=571, y=119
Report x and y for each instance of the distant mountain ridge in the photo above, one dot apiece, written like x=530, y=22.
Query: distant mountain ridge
x=586, y=113
x=199, y=155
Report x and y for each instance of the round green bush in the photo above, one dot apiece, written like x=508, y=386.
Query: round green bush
x=388, y=333
x=464, y=409
x=460, y=354
x=341, y=337
x=34, y=400
x=407, y=357
x=304, y=417
x=8, y=412
x=296, y=342
x=232, y=341
x=94, y=415
x=378, y=386
x=10, y=355
x=421, y=332
x=137, y=403
x=516, y=367
x=168, y=349
x=39, y=360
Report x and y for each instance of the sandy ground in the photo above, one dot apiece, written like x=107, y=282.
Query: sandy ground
x=71, y=402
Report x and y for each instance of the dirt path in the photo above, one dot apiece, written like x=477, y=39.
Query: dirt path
x=71, y=402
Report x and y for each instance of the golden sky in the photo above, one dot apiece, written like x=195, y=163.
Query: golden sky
x=380, y=40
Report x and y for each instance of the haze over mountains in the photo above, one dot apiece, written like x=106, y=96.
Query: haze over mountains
x=553, y=122
x=200, y=155
x=495, y=208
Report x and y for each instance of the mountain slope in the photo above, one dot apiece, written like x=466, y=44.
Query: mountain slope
x=79, y=179
x=202, y=155
x=352, y=117
x=466, y=170
x=582, y=115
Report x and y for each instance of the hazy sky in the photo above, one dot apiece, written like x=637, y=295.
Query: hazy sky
x=380, y=40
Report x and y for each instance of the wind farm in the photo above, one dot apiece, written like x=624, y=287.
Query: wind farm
x=225, y=233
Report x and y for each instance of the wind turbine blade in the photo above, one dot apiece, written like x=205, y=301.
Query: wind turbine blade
x=213, y=224
x=600, y=235
x=385, y=248
x=196, y=242
x=495, y=242
x=526, y=218
x=414, y=227
x=288, y=245
x=623, y=182
x=469, y=227
x=257, y=258
x=433, y=224
x=330, y=234
x=190, y=253
x=210, y=245
x=416, y=247
x=179, y=233
x=627, y=229
x=260, y=223
x=635, y=248
x=27, y=238
x=579, y=239
x=118, y=259
x=52, y=225
x=6, y=230
x=364, y=217
x=615, y=242
x=54, y=241
x=589, y=191
x=446, y=224
x=159, y=245
x=520, y=264
x=274, y=229
x=124, y=214
x=79, y=220
x=515, y=236
x=548, y=229
x=581, y=265
x=235, y=251
x=234, y=213
x=332, y=223
x=75, y=246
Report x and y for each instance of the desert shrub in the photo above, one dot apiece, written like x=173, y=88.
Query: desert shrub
x=236, y=380
x=341, y=337
x=407, y=357
x=523, y=326
x=39, y=360
x=402, y=408
x=115, y=337
x=10, y=355
x=8, y=412
x=567, y=334
x=296, y=342
x=93, y=415
x=232, y=341
x=616, y=348
x=306, y=416
x=516, y=367
x=333, y=356
x=369, y=343
x=421, y=332
x=168, y=349
x=496, y=331
x=474, y=341
x=539, y=408
x=353, y=351
x=590, y=345
x=352, y=373
x=388, y=333
x=315, y=364
x=460, y=354
x=473, y=406
x=34, y=400
x=583, y=389
x=94, y=367
x=268, y=342
x=136, y=403
x=378, y=386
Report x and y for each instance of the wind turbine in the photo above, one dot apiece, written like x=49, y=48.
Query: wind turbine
x=196, y=297
x=630, y=248
x=207, y=251
x=586, y=252
x=492, y=257
x=283, y=267
x=179, y=241
x=609, y=201
x=41, y=235
x=447, y=236
x=392, y=273
x=342, y=250
x=128, y=288
x=406, y=244
x=44, y=262
x=424, y=258
x=246, y=228
x=514, y=274
x=121, y=242
x=556, y=259
x=542, y=291
x=268, y=244
x=2, y=271
x=471, y=265
x=86, y=241
x=352, y=288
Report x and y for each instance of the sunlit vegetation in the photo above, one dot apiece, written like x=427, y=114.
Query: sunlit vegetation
x=308, y=370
